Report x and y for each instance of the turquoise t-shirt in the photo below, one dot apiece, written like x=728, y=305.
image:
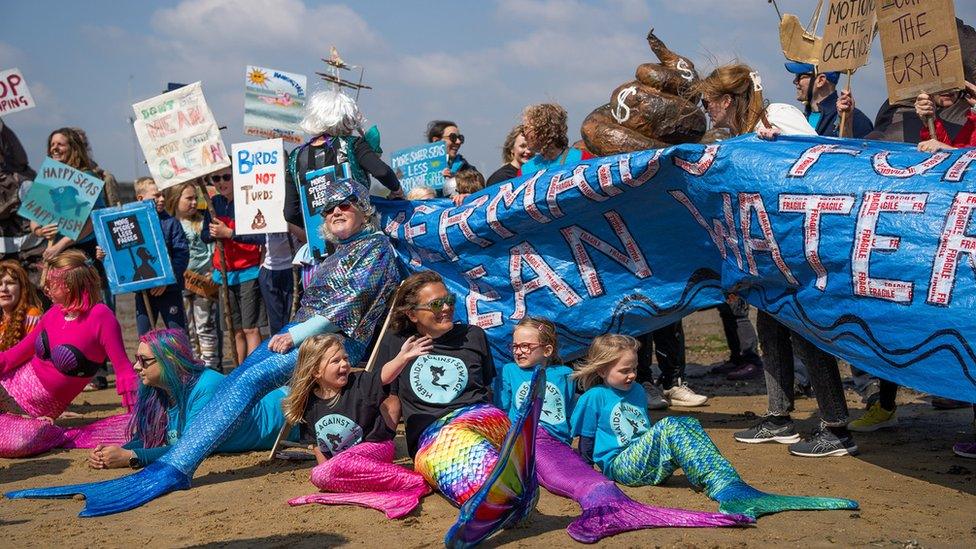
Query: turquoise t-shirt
x=571, y=155
x=258, y=431
x=613, y=418
x=512, y=386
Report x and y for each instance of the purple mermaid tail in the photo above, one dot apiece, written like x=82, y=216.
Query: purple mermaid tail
x=365, y=475
x=24, y=437
x=606, y=509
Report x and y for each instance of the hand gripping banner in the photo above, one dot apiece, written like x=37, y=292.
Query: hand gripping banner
x=865, y=248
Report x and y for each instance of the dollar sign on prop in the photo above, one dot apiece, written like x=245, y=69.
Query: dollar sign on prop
x=685, y=70
x=621, y=113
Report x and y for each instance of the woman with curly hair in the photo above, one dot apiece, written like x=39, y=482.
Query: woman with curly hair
x=20, y=308
x=545, y=130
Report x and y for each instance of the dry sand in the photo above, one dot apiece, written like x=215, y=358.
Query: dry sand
x=912, y=490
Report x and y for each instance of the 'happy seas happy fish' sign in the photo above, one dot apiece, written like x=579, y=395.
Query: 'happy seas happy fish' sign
x=179, y=136
x=61, y=195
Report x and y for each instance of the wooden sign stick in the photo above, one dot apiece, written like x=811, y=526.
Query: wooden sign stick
x=225, y=290
x=285, y=429
x=843, y=115
x=386, y=324
x=149, y=309
x=930, y=120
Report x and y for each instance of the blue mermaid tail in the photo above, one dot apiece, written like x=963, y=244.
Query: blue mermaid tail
x=511, y=490
x=262, y=372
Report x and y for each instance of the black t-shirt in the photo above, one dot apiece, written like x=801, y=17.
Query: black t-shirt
x=354, y=418
x=457, y=373
x=504, y=173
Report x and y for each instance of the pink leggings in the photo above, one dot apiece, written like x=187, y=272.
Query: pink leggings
x=365, y=475
x=24, y=437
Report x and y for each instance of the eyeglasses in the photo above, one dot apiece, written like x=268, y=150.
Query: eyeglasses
x=224, y=177
x=524, y=347
x=437, y=305
x=454, y=138
x=145, y=361
x=344, y=205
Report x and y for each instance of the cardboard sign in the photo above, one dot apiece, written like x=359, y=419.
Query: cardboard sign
x=14, y=94
x=259, y=187
x=136, y=257
x=798, y=44
x=273, y=103
x=420, y=166
x=179, y=136
x=63, y=195
x=313, y=197
x=847, y=35
x=920, y=46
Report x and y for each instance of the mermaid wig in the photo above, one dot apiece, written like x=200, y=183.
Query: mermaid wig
x=74, y=272
x=13, y=328
x=331, y=113
x=180, y=372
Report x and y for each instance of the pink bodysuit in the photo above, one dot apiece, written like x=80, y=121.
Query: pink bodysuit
x=54, y=362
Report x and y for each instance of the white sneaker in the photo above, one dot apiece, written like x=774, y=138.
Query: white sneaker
x=682, y=395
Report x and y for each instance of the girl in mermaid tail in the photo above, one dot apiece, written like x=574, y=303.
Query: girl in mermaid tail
x=615, y=431
x=452, y=430
x=20, y=309
x=340, y=410
x=175, y=388
x=606, y=510
x=47, y=369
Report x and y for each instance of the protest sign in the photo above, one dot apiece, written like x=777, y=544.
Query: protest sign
x=179, y=136
x=259, y=187
x=14, y=94
x=313, y=196
x=848, y=34
x=273, y=103
x=920, y=45
x=873, y=267
x=61, y=195
x=136, y=257
x=420, y=166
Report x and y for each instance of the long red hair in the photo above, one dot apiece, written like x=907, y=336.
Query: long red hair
x=15, y=327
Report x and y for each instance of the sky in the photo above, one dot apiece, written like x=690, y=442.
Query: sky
x=478, y=63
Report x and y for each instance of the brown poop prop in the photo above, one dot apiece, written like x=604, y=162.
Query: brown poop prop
x=658, y=109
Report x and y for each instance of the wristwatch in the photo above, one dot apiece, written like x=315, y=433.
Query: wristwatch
x=134, y=462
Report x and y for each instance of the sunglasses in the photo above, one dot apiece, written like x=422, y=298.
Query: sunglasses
x=454, y=138
x=344, y=205
x=524, y=347
x=224, y=177
x=437, y=305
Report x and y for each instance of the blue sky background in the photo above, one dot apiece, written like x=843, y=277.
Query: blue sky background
x=478, y=63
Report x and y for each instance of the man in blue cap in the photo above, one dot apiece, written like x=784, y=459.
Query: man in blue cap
x=818, y=92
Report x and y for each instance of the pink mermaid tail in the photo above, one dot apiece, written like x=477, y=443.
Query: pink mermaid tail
x=365, y=475
x=24, y=437
x=606, y=509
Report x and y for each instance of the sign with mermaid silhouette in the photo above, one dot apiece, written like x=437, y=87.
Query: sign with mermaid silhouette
x=313, y=196
x=61, y=195
x=259, y=186
x=136, y=257
x=273, y=103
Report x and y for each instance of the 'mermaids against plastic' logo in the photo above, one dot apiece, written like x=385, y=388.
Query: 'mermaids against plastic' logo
x=336, y=432
x=438, y=379
x=627, y=422
x=553, y=405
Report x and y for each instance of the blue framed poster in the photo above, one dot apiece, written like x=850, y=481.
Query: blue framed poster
x=136, y=257
x=420, y=166
x=313, y=196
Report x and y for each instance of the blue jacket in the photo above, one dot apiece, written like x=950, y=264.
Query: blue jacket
x=178, y=246
x=829, y=124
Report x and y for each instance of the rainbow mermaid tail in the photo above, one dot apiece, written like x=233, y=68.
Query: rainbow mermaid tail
x=261, y=372
x=606, y=509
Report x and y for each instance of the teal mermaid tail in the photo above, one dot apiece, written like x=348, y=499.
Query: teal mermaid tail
x=740, y=498
x=485, y=464
x=681, y=442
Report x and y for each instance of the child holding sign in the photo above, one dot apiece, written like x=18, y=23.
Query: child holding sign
x=243, y=254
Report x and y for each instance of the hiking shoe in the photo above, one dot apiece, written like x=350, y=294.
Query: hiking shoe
x=655, y=399
x=875, y=418
x=769, y=431
x=747, y=371
x=824, y=443
x=725, y=368
x=682, y=395
x=965, y=449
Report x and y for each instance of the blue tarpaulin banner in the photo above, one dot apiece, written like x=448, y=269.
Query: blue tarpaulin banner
x=865, y=248
x=136, y=257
